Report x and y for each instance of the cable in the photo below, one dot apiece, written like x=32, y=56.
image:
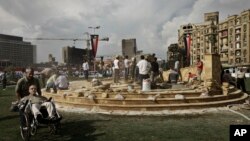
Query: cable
x=229, y=106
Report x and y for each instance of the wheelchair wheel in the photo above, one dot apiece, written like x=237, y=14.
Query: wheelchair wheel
x=25, y=128
x=33, y=127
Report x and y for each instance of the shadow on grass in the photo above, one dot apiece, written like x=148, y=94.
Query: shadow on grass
x=71, y=131
x=9, y=117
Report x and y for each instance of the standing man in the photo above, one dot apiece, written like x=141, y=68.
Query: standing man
x=177, y=68
x=116, y=69
x=199, y=66
x=23, y=84
x=85, y=67
x=102, y=67
x=154, y=69
x=240, y=80
x=144, y=67
x=4, y=80
x=126, y=66
x=133, y=68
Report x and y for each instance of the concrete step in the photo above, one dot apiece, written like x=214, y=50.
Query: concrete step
x=152, y=105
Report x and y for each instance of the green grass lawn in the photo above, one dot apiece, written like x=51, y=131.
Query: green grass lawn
x=97, y=127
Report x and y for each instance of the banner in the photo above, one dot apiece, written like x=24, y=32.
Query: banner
x=94, y=44
x=188, y=38
x=187, y=44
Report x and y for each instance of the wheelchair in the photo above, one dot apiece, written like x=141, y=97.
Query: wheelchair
x=29, y=124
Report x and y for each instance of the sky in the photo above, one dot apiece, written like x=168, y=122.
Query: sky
x=154, y=23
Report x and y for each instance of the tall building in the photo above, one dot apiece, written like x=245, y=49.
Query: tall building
x=16, y=52
x=234, y=39
x=230, y=38
x=75, y=56
x=200, y=38
x=129, y=47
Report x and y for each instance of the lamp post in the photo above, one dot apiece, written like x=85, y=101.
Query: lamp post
x=88, y=45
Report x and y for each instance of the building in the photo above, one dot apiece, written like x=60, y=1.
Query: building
x=230, y=38
x=129, y=47
x=199, y=39
x=74, y=56
x=234, y=39
x=16, y=52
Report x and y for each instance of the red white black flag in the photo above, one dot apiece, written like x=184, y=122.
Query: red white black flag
x=188, y=38
x=94, y=44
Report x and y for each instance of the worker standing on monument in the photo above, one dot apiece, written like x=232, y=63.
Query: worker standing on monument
x=116, y=69
x=199, y=66
x=144, y=68
x=126, y=67
x=85, y=67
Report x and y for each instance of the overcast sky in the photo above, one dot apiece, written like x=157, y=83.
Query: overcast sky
x=154, y=23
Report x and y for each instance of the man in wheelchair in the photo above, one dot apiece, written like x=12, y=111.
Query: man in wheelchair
x=33, y=104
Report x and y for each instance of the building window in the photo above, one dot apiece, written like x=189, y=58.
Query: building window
x=244, y=53
x=231, y=31
x=244, y=28
x=231, y=53
x=237, y=37
x=238, y=45
x=238, y=53
x=245, y=44
x=245, y=60
x=238, y=22
x=237, y=60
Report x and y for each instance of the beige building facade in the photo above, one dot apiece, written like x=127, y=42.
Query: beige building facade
x=234, y=40
x=129, y=47
x=203, y=37
x=229, y=38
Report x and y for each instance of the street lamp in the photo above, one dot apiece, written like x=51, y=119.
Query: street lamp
x=94, y=28
x=88, y=45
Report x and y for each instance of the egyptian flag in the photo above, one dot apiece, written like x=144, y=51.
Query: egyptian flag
x=94, y=44
x=188, y=38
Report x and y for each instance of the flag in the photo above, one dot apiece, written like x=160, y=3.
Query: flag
x=94, y=44
x=188, y=38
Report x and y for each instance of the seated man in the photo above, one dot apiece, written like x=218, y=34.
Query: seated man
x=51, y=83
x=37, y=102
x=173, y=76
x=191, y=77
x=62, y=82
x=228, y=78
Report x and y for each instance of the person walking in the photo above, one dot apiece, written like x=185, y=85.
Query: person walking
x=85, y=67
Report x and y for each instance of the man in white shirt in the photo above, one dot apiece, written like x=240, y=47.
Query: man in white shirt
x=51, y=82
x=85, y=67
x=62, y=82
x=144, y=68
x=116, y=69
x=126, y=66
